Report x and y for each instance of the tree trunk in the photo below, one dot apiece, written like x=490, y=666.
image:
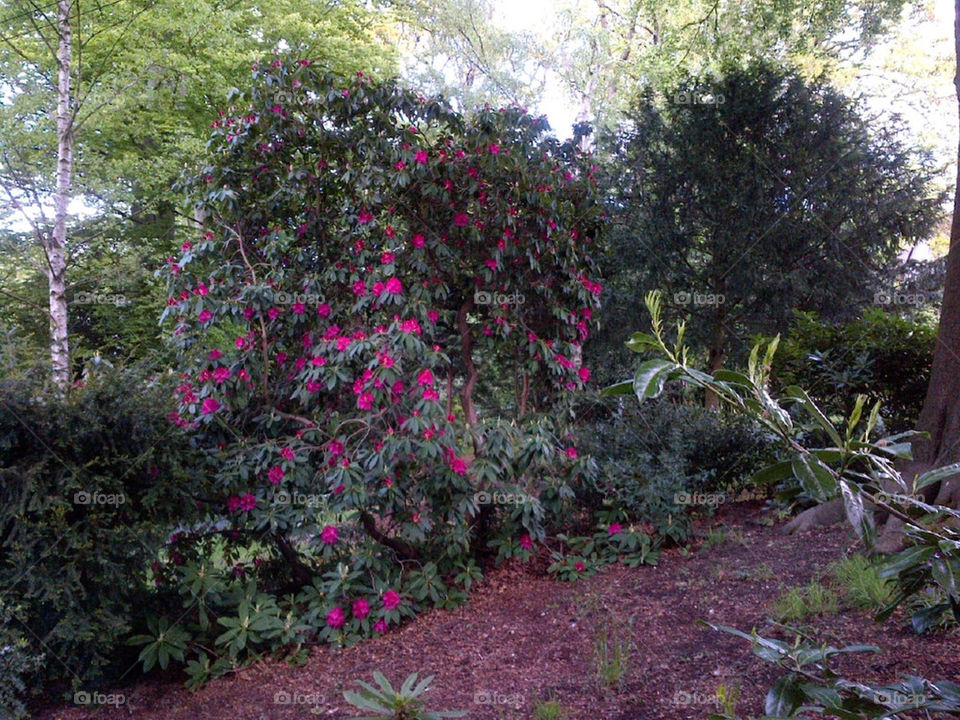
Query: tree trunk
x=55, y=244
x=717, y=355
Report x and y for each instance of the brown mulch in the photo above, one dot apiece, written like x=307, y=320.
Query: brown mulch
x=524, y=637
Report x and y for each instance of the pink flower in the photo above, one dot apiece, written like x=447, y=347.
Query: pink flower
x=336, y=448
x=386, y=360
x=433, y=316
x=323, y=310
x=391, y=599
x=361, y=608
x=281, y=358
x=248, y=502
x=365, y=401
x=425, y=377
x=378, y=288
x=460, y=220
x=401, y=165
x=359, y=288
x=418, y=241
x=394, y=286
x=248, y=312
x=272, y=313
x=287, y=454
x=531, y=337
x=336, y=618
x=493, y=149
x=329, y=535
x=221, y=374
x=209, y=406
x=615, y=528
x=526, y=541
x=387, y=257
x=298, y=308
x=579, y=566
x=584, y=373
x=233, y=503
x=430, y=394
x=491, y=263
x=343, y=343
x=313, y=386
x=201, y=289
x=459, y=466
x=389, y=231
x=410, y=326
x=318, y=361
x=571, y=453
x=364, y=217
x=204, y=315
x=214, y=355
x=421, y=156
x=240, y=342
x=380, y=626
x=275, y=475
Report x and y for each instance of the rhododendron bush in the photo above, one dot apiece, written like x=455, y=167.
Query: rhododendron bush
x=379, y=327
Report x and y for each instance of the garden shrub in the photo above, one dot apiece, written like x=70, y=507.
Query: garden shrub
x=652, y=458
x=378, y=329
x=882, y=355
x=19, y=665
x=88, y=486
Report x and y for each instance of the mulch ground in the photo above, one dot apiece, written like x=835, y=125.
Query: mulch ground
x=524, y=637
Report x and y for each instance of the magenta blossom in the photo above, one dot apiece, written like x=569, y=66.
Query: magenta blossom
x=275, y=475
x=380, y=626
x=329, y=535
x=615, y=528
x=391, y=599
x=336, y=618
x=361, y=608
x=210, y=406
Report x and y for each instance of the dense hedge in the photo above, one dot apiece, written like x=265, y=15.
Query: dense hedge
x=89, y=485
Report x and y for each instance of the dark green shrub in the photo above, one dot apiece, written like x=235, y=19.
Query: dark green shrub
x=882, y=355
x=89, y=485
x=651, y=456
x=18, y=664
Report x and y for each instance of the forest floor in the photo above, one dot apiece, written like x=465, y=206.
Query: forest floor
x=524, y=638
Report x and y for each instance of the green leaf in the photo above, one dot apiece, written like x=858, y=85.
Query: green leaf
x=928, y=478
x=784, y=697
x=650, y=378
x=816, y=479
x=799, y=394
